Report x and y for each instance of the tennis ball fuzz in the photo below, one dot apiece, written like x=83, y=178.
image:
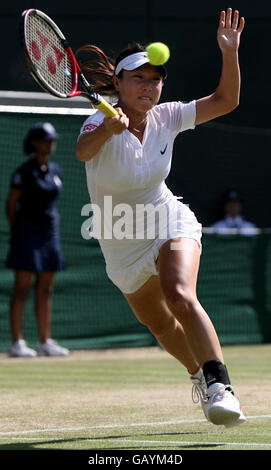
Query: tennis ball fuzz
x=158, y=53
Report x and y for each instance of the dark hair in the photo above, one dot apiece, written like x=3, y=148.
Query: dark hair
x=100, y=71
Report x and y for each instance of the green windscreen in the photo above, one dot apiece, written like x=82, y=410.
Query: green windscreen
x=88, y=310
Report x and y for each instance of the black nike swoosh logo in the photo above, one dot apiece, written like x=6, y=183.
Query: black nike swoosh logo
x=163, y=151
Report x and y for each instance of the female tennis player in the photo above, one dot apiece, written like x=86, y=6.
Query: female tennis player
x=128, y=158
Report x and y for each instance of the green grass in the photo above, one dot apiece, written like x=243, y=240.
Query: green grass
x=127, y=399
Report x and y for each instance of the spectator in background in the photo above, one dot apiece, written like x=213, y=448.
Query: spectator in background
x=34, y=242
x=232, y=204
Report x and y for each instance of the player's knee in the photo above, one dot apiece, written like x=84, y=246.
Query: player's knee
x=161, y=328
x=180, y=299
x=158, y=325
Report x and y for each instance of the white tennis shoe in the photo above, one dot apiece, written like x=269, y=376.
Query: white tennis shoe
x=51, y=348
x=219, y=405
x=20, y=349
x=223, y=406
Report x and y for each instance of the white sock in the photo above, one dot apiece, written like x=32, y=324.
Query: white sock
x=199, y=374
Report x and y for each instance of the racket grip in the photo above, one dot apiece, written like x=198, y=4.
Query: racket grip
x=106, y=108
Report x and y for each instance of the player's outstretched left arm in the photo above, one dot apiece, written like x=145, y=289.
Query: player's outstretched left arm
x=226, y=96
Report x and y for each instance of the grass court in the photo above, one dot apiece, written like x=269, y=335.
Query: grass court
x=127, y=399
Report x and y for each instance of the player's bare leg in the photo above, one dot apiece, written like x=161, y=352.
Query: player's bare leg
x=178, y=265
x=150, y=307
x=178, y=271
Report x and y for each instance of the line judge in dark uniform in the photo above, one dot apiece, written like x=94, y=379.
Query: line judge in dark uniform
x=34, y=242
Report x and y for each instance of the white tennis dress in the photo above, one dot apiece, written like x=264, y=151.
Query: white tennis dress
x=138, y=212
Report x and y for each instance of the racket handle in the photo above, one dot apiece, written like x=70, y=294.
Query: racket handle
x=106, y=108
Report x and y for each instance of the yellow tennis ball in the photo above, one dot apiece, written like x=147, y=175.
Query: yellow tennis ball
x=158, y=53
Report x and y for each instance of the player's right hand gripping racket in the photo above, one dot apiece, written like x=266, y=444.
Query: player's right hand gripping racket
x=52, y=63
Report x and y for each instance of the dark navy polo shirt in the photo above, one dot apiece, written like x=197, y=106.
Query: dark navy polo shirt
x=40, y=186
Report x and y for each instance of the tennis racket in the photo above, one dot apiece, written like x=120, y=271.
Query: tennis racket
x=52, y=63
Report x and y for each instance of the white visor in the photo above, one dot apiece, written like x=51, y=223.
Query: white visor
x=133, y=61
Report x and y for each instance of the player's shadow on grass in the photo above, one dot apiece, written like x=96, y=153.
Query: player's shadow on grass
x=40, y=444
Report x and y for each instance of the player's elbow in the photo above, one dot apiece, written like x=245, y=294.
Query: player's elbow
x=81, y=153
x=232, y=105
x=229, y=104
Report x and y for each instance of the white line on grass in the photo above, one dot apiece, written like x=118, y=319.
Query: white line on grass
x=180, y=443
x=106, y=426
x=116, y=426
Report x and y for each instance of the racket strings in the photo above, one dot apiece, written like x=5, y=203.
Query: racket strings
x=48, y=55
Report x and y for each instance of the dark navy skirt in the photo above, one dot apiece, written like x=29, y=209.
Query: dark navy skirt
x=35, y=247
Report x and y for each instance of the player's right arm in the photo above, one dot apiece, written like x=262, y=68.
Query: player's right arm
x=12, y=201
x=90, y=143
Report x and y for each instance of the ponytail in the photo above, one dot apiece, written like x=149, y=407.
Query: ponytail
x=100, y=71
